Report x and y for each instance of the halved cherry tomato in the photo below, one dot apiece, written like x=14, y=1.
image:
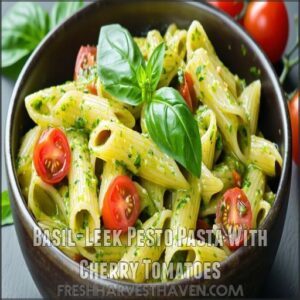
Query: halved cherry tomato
x=267, y=22
x=237, y=179
x=85, y=61
x=121, y=205
x=232, y=8
x=187, y=91
x=234, y=216
x=52, y=156
x=294, y=115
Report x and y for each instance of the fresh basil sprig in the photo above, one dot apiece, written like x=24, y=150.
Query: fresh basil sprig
x=126, y=76
x=6, y=215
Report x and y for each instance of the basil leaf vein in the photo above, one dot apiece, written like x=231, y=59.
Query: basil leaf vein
x=172, y=127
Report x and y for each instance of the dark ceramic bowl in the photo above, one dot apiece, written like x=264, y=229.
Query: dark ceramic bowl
x=53, y=62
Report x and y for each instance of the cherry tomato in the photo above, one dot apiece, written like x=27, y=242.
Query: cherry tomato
x=233, y=215
x=121, y=205
x=267, y=22
x=232, y=8
x=52, y=156
x=187, y=91
x=294, y=115
x=237, y=179
x=85, y=61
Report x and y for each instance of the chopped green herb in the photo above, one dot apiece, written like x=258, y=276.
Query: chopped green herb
x=219, y=143
x=199, y=72
x=246, y=183
x=80, y=123
x=150, y=152
x=121, y=163
x=181, y=203
x=137, y=162
x=244, y=50
x=37, y=104
x=256, y=72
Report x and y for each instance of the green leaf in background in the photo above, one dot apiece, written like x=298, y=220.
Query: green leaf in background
x=6, y=215
x=118, y=60
x=23, y=28
x=62, y=10
x=173, y=128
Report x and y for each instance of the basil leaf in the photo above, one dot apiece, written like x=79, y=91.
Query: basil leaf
x=141, y=75
x=62, y=10
x=155, y=65
x=22, y=30
x=172, y=127
x=118, y=59
x=6, y=215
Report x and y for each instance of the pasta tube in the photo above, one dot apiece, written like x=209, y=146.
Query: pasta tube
x=208, y=131
x=85, y=111
x=84, y=210
x=231, y=118
x=254, y=186
x=25, y=156
x=210, y=184
x=197, y=38
x=265, y=155
x=250, y=100
x=137, y=153
x=137, y=253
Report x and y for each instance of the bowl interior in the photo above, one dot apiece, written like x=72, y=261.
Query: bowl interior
x=53, y=62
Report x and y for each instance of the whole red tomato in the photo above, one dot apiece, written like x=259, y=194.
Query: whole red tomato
x=232, y=8
x=294, y=115
x=267, y=22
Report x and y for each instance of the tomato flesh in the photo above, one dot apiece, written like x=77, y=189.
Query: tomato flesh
x=294, y=116
x=232, y=8
x=52, y=156
x=267, y=22
x=187, y=91
x=121, y=205
x=85, y=62
x=234, y=217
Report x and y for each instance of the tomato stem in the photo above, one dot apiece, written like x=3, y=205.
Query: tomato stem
x=289, y=63
x=241, y=15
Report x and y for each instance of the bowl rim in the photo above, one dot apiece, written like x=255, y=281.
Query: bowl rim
x=29, y=221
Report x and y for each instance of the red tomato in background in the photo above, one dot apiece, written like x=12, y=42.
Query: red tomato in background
x=85, y=61
x=267, y=22
x=234, y=213
x=232, y=8
x=294, y=115
x=52, y=156
x=121, y=205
